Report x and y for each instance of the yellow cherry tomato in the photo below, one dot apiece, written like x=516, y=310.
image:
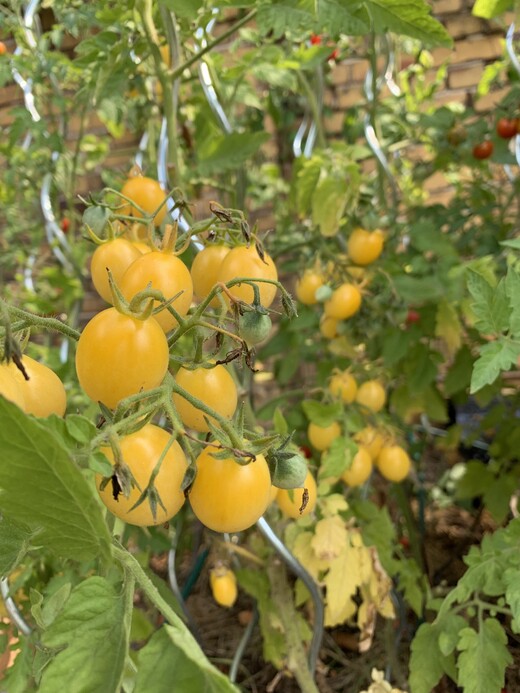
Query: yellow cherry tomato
x=215, y=387
x=344, y=386
x=44, y=393
x=321, y=437
x=223, y=583
x=371, y=395
x=344, y=302
x=307, y=286
x=328, y=327
x=118, y=355
x=227, y=496
x=147, y=194
x=244, y=261
x=205, y=268
x=360, y=469
x=168, y=274
x=10, y=387
x=394, y=463
x=141, y=452
x=296, y=502
x=371, y=439
x=364, y=247
x=117, y=256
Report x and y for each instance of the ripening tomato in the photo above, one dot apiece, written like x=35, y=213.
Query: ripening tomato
x=344, y=302
x=10, y=387
x=394, y=463
x=44, y=393
x=227, y=496
x=166, y=273
x=328, y=327
x=307, y=286
x=360, y=469
x=291, y=501
x=507, y=127
x=3, y=48
x=412, y=317
x=483, y=150
x=372, y=395
x=205, y=268
x=244, y=261
x=118, y=355
x=147, y=194
x=344, y=386
x=223, y=583
x=65, y=225
x=321, y=437
x=215, y=387
x=364, y=247
x=371, y=439
x=117, y=256
x=141, y=452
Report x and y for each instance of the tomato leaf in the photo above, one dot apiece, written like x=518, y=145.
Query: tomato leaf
x=329, y=200
x=494, y=357
x=512, y=581
x=490, y=306
x=427, y=662
x=411, y=19
x=92, y=627
x=337, y=458
x=43, y=488
x=15, y=540
x=488, y=9
x=458, y=377
x=229, y=151
x=448, y=326
x=498, y=495
x=322, y=414
x=513, y=292
x=173, y=655
x=484, y=658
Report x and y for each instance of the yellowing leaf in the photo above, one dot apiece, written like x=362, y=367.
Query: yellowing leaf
x=330, y=538
x=304, y=552
x=342, y=582
x=333, y=504
x=448, y=326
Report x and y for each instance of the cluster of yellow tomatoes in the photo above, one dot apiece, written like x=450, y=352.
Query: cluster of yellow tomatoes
x=376, y=448
x=341, y=302
x=345, y=299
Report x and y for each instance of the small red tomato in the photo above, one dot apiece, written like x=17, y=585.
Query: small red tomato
x=412, y=317
x=3, y=48
x=315, y=39
x=405, y=542
x=334, y=55
x=306, y=451
x=483, y=150
x=65, y=224
x=507, y=127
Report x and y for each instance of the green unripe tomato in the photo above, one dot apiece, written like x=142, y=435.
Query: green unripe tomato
x=254, y=327
x=291, y=472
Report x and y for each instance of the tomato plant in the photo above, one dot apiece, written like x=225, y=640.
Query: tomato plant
x=150, y=456
x=227, y=496
x=119, y=355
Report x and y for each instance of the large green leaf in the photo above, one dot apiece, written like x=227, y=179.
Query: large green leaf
x=230, y=151
x=484, y=658
x=41, y=487
x=15, y=541
x=513, y=293
x=494, y=357
x=411, y=18
x=490, y=304
x=329, y=201
x=172, y=661
x=91, y=636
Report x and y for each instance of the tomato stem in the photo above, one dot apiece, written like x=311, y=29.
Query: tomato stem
x=31, y=320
